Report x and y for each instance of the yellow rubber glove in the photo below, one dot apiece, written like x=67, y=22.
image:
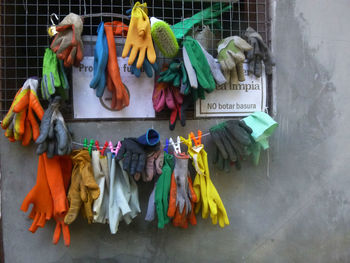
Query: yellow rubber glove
x=209, y=198
x=139, y=38
x=22, y=95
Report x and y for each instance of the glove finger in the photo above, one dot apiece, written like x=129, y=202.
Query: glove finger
x=134, y=164
x=219, y=143
x=127, y=161
x=34, y=225
x=57, y=233
x=66, y=234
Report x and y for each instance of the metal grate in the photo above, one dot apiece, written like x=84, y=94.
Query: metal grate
x=23, y=31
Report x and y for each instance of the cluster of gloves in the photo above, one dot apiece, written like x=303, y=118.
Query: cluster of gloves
x=20, y=122
x=236, y=140
x=103, y=194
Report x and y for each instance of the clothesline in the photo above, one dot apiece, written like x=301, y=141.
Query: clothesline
x=93, y=146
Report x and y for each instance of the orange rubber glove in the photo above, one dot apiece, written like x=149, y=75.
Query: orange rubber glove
x=20, y=122
x=40, y=197
x=120, y=96
x=32, y=104
x=66, y=169
x=181, y=219
x=21, y=95
x=139, y=38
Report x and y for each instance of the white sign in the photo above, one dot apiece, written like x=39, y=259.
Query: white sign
x=238, y=100
x=88, y=105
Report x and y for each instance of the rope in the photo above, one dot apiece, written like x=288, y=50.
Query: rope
x=94, y=147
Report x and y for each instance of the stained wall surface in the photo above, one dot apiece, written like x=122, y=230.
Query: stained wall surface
x=293, y=207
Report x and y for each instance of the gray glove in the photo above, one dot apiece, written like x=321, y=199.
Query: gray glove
x=231, y=58
x=182, y=188
x=259, y=53
x=54, y=137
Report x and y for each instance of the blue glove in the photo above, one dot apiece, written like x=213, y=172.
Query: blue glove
x=98, y=82
x=147, y=67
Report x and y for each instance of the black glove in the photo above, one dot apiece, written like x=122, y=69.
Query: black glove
x=259, y=53
x=134, y=156
x=231, y=139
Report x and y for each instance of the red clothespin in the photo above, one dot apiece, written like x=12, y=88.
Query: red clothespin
x=102, y=151
x=197, y=141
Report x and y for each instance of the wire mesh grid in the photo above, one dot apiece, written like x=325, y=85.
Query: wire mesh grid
x=23, y=31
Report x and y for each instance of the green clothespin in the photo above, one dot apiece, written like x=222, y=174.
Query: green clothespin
x=91, y=145
x=85, y=143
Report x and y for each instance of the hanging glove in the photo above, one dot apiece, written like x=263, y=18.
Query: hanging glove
x=174, y=97
x=67, y=43
x=118, y=203
x=154, y=165
x=83, y=189
x=131, y=193
x=158, y=97
x=120, y=96
x=207, y=16
x=263, y=126
x=53, y=76
x=175, y=74
x=200, y=65
x=174, y=211
x=260, y=52
x=58, y=174
x=162, y=190
x=134, y=150
x=232, y=138
x=100, y=169
x=231, y=58
x=98, y=81
x=20, y=122
x=40, y=197
x=182, y=188
x=206, y=38
x=214, y=67
x=139, y=39
x=147, y=67
x=54, y=137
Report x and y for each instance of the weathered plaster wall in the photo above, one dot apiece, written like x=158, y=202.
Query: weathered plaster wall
x=293, y=207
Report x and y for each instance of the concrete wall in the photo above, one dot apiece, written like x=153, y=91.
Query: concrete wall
x=293, y=207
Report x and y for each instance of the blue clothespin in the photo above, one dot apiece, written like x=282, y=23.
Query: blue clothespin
x=166, y=145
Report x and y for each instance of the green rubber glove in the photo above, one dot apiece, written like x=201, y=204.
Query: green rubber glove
x=200, y=64
x=163, y=189
x=207, y=16
x=175, y=74
x=51, y=77
x=263, y=127
x=54, y=78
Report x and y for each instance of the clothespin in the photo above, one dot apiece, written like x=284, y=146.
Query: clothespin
x=197, y=141
x=52, y=29
x=166, y=147
x=91, y=145
x=85, y=143
x=176, y=146
x=115, y=150
x=102, y=151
